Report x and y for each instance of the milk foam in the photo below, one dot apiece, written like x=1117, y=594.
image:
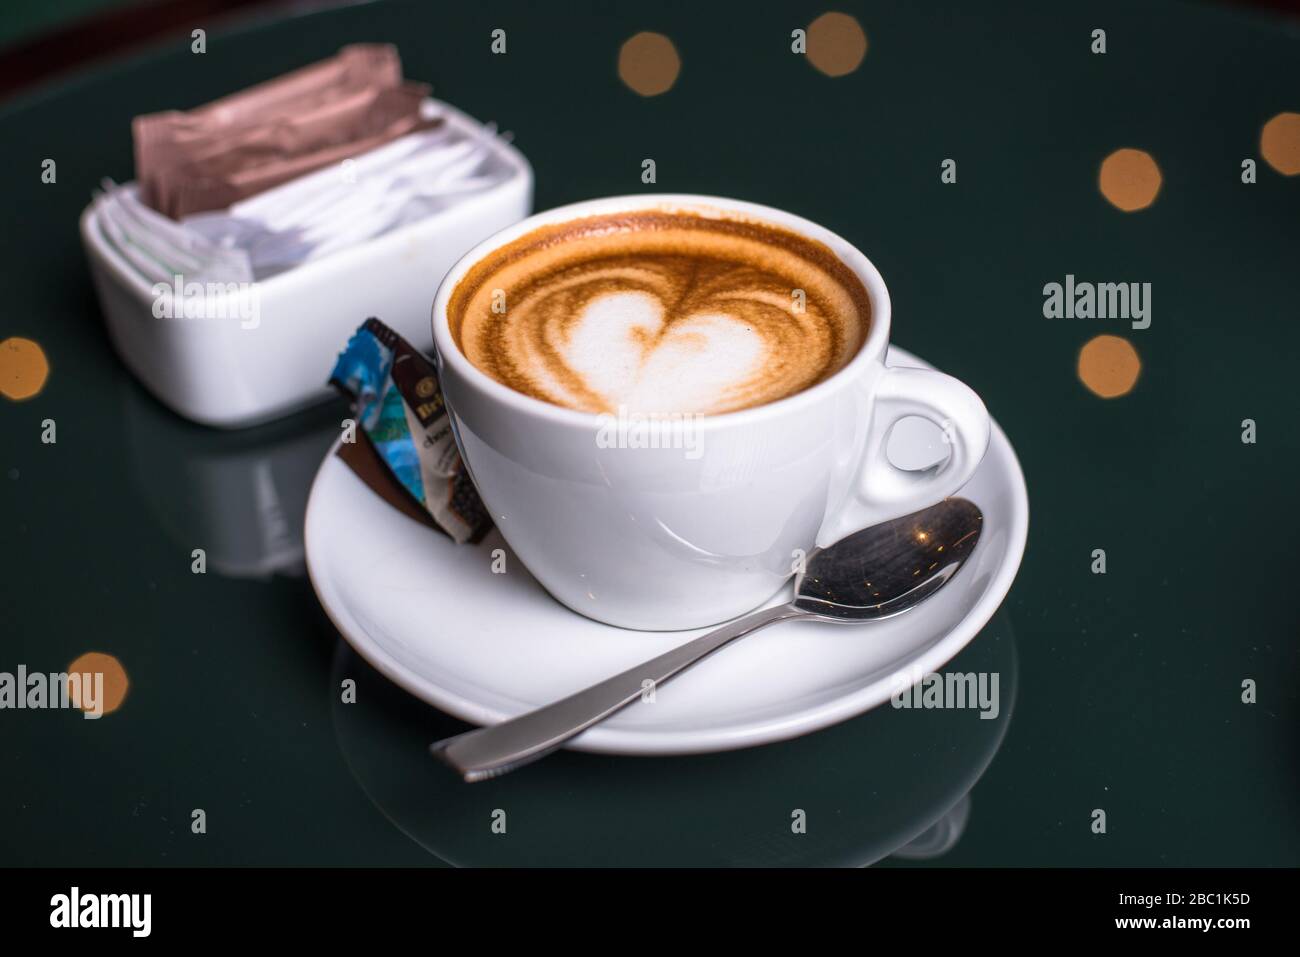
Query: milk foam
x=622, y=352
x=654, y=313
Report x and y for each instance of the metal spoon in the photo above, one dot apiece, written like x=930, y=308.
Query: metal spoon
x=876, y=573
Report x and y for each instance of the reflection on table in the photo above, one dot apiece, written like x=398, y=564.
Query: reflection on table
x=889, y=782
x=240, y=496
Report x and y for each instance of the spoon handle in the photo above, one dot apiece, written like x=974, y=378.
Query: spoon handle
x=488, y=752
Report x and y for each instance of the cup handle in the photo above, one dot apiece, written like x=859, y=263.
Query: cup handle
x=881, y=491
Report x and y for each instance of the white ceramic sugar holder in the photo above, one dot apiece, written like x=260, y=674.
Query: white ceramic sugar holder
x=260, y=360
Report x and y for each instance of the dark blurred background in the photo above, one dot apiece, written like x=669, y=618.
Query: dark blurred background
x=42, y=39
x=1129, y=683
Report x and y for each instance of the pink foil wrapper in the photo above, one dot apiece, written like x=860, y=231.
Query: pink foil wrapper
x=251, y=141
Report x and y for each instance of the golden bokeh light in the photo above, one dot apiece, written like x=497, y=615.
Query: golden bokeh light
x=836, y=44
x=23, y=368
x=1129, y=179
x=115, y=680
x=1279, y=143
x=1109, y=366
x=649, y=64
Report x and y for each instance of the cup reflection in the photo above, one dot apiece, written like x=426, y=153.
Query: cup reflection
x=894, y=781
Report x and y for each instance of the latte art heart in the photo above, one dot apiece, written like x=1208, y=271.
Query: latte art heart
x=622, y=351
x=660, y=312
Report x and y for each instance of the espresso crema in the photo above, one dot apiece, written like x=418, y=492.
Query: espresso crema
x=660, y=312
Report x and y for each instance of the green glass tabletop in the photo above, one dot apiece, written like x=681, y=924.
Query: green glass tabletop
x=1160, y=691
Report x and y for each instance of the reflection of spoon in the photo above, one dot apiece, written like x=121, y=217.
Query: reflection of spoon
x=868, y=785
x=876, y=573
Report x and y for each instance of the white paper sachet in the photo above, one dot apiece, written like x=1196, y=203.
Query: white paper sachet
x=409, y=179
x=356, y=201
x=160, y=249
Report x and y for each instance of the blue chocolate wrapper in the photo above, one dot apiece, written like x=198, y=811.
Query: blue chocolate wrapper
x=398, y=406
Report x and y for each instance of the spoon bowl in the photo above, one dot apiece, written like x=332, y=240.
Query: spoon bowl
x=887, y=569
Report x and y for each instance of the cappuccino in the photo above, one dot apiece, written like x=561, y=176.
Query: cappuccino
x=656, y=311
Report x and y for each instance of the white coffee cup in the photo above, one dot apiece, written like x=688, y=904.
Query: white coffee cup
x=712, y=521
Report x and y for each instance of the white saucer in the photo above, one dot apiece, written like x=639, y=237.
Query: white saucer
x=432, y=617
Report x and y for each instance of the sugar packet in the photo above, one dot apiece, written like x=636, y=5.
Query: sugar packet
x=251, y=141
x=400, y=412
